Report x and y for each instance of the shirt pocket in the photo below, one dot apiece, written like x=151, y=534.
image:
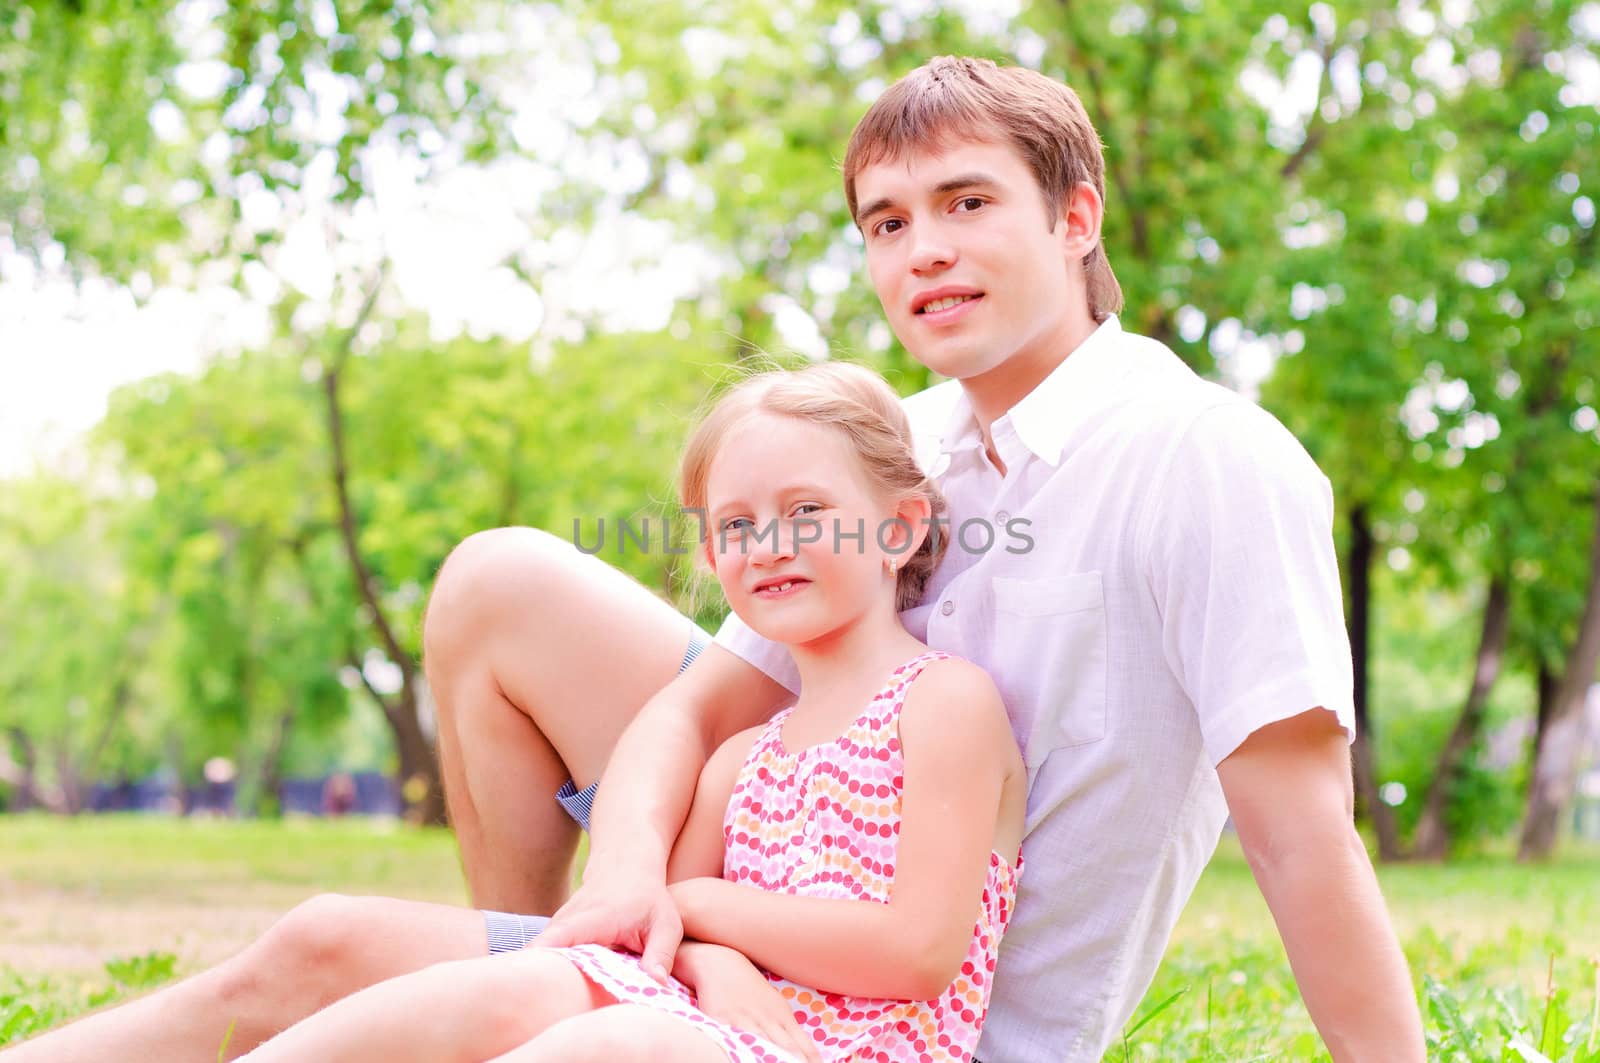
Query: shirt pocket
x=1051, y=660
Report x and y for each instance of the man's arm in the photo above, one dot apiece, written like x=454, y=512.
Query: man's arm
x=643, y=799
x=1289, y=791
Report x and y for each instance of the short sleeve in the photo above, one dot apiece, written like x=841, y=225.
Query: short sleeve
x=736, y=637
x=1241, y=561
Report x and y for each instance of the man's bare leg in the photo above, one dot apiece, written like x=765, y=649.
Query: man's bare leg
x=538, y=656
x=323, y=950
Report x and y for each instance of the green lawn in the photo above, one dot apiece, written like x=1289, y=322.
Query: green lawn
x=94, y=909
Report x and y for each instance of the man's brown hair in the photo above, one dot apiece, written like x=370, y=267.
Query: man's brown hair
x=955, y=97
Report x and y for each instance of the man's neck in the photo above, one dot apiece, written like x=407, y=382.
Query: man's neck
x=994, y=393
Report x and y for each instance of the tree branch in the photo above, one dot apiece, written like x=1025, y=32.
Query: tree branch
x=365, y=585
x=390, y=711
x=1317, y=127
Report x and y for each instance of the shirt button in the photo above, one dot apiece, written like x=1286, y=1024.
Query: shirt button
x=948, y=607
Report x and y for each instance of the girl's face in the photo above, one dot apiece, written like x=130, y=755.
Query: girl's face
x=793, y=530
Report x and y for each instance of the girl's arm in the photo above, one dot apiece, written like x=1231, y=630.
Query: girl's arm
x=959, y=753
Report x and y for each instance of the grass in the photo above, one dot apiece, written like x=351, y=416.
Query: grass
x=1504, y=956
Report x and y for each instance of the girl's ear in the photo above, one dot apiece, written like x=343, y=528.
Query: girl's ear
x=916, y=512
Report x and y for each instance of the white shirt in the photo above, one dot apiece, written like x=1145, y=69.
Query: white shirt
x=1181, y=591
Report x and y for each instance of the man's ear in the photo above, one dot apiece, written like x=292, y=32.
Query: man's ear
x=1081, y=216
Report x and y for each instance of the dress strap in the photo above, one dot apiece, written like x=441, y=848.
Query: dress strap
x=893, y=693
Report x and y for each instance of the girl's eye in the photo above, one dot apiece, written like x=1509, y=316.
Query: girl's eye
x=736, y=526
x=807, y=507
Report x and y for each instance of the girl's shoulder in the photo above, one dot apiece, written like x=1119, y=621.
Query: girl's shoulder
x=941, y=682
x=953, y=700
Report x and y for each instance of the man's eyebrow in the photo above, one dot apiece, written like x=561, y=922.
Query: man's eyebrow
x=878, y=205
x=965, y=180
x=957, y=183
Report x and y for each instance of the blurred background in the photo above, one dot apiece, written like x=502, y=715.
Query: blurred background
x=296, y=294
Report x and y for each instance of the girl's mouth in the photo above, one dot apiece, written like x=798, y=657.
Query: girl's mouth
x=782, y=589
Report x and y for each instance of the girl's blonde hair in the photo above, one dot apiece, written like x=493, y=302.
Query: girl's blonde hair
x=858, y=403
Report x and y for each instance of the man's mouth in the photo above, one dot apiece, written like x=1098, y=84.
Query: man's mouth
x=948, y=302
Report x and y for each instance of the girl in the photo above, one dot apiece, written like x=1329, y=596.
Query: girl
x=847, y=869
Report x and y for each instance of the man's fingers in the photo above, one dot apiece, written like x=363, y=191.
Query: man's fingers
x=661, y=942
x=556, y=936
x=573, y=930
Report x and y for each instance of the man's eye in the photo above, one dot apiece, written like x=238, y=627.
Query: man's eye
x=889, y=225
x=970, y=203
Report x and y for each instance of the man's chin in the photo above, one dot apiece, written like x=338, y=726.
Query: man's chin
x=953, y=364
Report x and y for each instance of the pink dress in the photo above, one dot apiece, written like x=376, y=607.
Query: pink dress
x=824, y=822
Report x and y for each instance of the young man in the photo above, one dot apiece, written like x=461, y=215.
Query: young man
x=1169, y=642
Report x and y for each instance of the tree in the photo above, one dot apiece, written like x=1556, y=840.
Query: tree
x=77, y=630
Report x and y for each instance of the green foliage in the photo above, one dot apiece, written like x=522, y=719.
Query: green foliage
x=142, y=972
x=30, y=1005
x=129, y=126
x=1409, y=249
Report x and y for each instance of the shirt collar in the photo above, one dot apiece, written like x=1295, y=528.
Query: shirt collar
x=1044, y=416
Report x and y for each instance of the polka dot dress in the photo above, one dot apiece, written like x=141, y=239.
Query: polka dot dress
x=825, y=822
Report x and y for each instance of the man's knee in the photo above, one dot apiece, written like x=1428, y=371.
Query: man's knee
x=315, y=949
x=488, y=575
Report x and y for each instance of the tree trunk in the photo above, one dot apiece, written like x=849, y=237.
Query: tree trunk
x=1433, y=832
x=417, y=759
x=26, y=780
x=1545, y=689
x=1359, y=566
x=1555, y=765
x=422, y=784
x=269, y=779
x=68, y=780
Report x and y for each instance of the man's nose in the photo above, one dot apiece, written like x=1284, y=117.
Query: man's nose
x=932, y=249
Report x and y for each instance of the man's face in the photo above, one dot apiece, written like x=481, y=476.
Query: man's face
x=965, y=261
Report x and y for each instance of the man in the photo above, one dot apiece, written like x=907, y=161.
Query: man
x=1169, y=642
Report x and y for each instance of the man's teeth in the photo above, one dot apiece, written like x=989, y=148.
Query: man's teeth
x=945, y=304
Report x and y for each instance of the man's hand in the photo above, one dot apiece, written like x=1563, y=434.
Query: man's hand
x=620, y=912
x=731, y=989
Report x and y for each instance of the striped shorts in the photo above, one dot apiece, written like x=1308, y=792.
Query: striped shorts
x=509, y=932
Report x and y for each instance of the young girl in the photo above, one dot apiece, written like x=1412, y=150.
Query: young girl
x=846, y=870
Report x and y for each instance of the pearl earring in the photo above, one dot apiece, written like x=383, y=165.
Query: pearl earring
x=891, y=566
